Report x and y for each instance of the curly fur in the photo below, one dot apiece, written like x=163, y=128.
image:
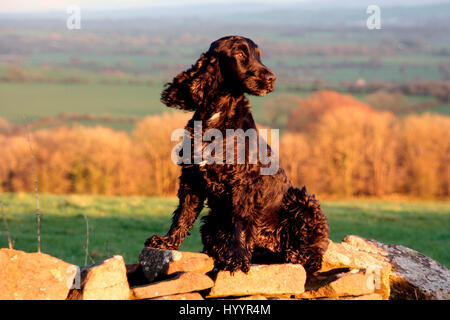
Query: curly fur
x=253, y=218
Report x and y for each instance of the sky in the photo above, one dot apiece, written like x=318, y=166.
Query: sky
x=46, y=5
x=50, y=5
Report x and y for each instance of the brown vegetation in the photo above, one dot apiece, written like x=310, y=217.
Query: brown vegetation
x=312, y=109
x=341, y=146
x=95, y=160
x=336, y=145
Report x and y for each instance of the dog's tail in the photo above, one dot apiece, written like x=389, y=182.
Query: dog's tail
x=303, y=229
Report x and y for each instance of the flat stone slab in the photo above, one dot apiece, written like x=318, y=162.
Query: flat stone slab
x=269, y=280
x=338, y=285
x=157, y=262
x=34, y=276
x=344, y=255
x=182, y=282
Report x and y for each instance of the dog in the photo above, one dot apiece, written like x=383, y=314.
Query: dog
x=253, y=218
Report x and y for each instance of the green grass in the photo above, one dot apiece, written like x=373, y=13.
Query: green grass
x=443, y=109
x=120, y=225
x=37, y=100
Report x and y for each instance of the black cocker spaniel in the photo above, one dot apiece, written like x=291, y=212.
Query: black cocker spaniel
x=253, y=217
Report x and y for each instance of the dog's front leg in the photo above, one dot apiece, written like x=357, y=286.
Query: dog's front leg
x=238, y=255
x=191, y=198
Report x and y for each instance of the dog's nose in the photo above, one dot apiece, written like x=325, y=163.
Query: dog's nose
x=270, y=77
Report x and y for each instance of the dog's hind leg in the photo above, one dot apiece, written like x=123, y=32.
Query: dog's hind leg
x=303, y=229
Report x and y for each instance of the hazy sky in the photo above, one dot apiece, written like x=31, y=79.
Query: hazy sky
x=46, y=5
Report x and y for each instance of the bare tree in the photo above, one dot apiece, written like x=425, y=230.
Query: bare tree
x=36, y=191
x=87, y=239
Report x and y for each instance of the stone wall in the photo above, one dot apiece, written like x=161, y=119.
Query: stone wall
x=355, y=269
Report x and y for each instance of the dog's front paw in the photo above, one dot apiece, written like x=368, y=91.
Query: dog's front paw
x=237, y=260
x=159, y=242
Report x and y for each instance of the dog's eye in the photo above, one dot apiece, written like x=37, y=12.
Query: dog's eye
x=239, y=55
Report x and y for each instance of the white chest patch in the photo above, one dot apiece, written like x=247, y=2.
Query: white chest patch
x=214, y=117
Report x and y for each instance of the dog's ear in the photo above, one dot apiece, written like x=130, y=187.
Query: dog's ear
x=189, y=89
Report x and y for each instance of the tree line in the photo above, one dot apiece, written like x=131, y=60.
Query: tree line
x=334, y=144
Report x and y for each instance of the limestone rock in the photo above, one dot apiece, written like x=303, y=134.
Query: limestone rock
x=270, y=280
x=157, y=262
x=34, y=276
x=181, y=283
x=413, y=276
x=106, y=280
x=341, y=284
x=181, y=296
x=344, y=255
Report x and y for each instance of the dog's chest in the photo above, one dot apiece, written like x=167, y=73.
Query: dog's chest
x=223, y=179
x=221, y=148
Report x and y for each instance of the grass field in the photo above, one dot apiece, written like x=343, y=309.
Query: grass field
x=37, y=100
x=120, y=225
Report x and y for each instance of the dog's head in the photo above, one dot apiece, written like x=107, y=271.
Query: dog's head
x=232, y=64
